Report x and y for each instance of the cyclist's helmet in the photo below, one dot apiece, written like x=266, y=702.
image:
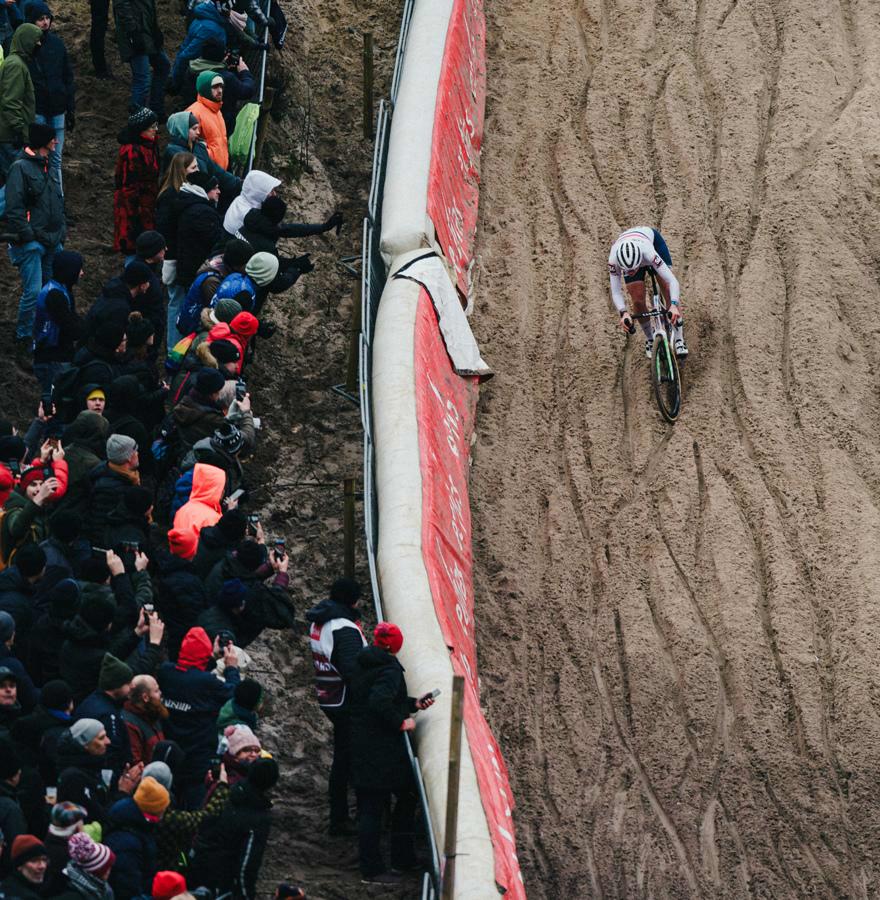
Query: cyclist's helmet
x=629, y=256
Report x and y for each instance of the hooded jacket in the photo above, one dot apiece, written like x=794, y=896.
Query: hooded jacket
x=178, y=142
x=57, y=326
x=131, y=836
x=199, y=232
x=34, y=202
x=51, y=71
x=239, y=331
x=255, y=188
x=207, y=111
x=262, y=229
x=202, y=509
x=207, y=24
x=238, y=87
x=195, y=419
x=194, y=697
x=17, y=98
x=24, y=520
x=85, y=440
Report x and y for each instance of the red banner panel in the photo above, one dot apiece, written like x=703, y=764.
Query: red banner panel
x=445, y=408
x=454, y=175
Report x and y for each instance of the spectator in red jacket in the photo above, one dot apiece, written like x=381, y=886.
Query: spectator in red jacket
x=144, y=715
x=137, y=180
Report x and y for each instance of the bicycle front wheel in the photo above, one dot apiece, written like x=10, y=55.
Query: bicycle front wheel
x=665, y=376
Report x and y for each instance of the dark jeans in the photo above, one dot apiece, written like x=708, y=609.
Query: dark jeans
x=100, y=10
x=337, y=787
x=149, y=75
x=371, y=805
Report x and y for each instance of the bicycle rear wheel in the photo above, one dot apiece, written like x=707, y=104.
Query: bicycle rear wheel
x=666, y=380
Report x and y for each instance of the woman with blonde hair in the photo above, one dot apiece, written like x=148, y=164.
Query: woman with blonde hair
x=180, y=165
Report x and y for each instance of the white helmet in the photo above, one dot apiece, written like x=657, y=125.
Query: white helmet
x=629, y=256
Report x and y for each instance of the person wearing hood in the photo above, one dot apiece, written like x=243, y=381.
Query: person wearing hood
x=54, y=85
x=86, y=874
x=98, y=362
x=185, y=136
x=336, y=639
x=238, y=83
x=255, y=188
x=57, y=326
x=84, y=441
x=207, y=109
x=137, y=179
x=140, y=42
x=35, y=219
x=18, y=105
x=199, y=227
x=32, y=502
x=239, y=332
x=207, y=23
x=381, y=712
x=203, y=508
x=194, y=697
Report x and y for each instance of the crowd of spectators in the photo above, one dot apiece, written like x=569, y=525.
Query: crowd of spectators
x=132, y=578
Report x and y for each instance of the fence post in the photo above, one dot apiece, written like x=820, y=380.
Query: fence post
x=263, y=123
x=348, y=526
x=368, y=85
x=451, y=835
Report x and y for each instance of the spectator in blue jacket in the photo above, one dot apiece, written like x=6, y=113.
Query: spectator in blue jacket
x=207, y=23
x=54, y=85
x=194, y=696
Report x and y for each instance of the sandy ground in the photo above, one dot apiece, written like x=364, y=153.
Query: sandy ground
x=692, y=610
x=311, y=438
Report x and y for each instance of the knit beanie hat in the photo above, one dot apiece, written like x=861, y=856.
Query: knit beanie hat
x=228, y=437
x=120, y=447
x=345, y=590
x=10, y=761
x=209, y=381
x=232, y=525
x=56, y=694
x=36, y=10
x=237, y=253
x=88, y=855
x=204, y=83
x=263, y=773
x=7, y=627
x=239, y=737
x=83, y=731
x=65, y=816
x=136, y=273
x=249, y=694
x=245, y=324
x=250, y=555
x=225, y=310
x=30, y=560
x=152, y=798
x=225, y=351
x=262, y=267
x=142, y=118
x=67, y=264
x=96, y=394
x=40, y=135
x=114, y=673
x=25, y=848
x=232, y=595
x=148, y=244
x=203, y=180
x=388, y=636
x=138, y=500
x=167, y=885
x=161, y=772
x=32, y=474
x=98, y=611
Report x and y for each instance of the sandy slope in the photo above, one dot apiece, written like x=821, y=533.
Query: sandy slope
x=693, y=611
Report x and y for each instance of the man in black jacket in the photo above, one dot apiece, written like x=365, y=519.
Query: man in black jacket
x=199, y=225
x=381, y=712
x=119, y=297
x=140, y=41
x=215, y=541
x=18, y=588
x=54, y=85
x=336, y=640
x=110, y=480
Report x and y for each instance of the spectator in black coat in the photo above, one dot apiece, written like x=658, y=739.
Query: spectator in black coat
x=110, y=481
x=85, y=447
x=65, y=820
x=65, y=551
x=229, y=849
x=28, y=694
x=12, y=820
x=336, y=640
x=29, y=860
x=38, y=733
x=99, y=362
x=119, y=297
x=54, y=84
x=49, y=631
x=105, y=704
x=18, y=588
x=128, y=413
x=381, y=712
x=199, y=225
x=180, y=597
x=215, y=541
x=224, y=616
x=150, y=248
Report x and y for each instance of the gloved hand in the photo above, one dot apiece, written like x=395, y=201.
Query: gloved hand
x=138, y=45
x=70, y=120
x=303, y=264
x=335, y=221
x=266, y=329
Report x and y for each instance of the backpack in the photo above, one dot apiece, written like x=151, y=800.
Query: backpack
x=188, y=320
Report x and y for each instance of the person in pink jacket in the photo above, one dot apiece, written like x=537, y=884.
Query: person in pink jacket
x=203, y=508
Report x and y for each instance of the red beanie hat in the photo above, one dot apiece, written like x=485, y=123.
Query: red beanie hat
x=245, y=324
x=34, y=473
x=7, y=483
x=388, y=636
x=25, y=848
x=167, y=885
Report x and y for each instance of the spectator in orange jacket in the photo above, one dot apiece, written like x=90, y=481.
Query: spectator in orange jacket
x=206, y=109
x=203, y=508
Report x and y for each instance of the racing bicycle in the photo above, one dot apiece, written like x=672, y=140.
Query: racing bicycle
x=664, y=365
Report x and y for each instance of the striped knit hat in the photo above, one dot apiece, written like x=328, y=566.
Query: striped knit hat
x=89, y=856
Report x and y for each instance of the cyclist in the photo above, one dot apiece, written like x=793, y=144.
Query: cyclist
x=632, y=254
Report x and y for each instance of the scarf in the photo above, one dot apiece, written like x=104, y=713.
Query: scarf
x=89, y=886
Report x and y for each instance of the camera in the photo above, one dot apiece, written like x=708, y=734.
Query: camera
x=233, y=57
x=240, y=389
x=252, y=521
x=280, y=546
x=225, y=639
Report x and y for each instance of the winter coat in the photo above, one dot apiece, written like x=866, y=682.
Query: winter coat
x=52, y=75
x=12, y=821
x=17, y=99
x=137, y=28
x=210, y=117
x=256, y=187
x=108, y=488
x=84, y=441
x=239, y=331
x=379, y=705
x=17, y=887
x=38, y=733
x=25, y=522
x=205, y=451
x=202, y=509
x=195, y=419
x=177, y=829
x=56, y=324
x=28, y=694
x=137, y=183
x=212, y=548
x=144, y=732
x=194, y=697
x=233, y=714
x=207, y=24
x=229, y=849
x=263, y=234
x=34, y=203
x=97, y=365
x=180, y=598
x=214, y=620
x=132, y=838
x=199, y=232
x=238, y=88
x=80, y=779
x=346, y=642
x=178, y=142
x=79, y=885
x=165, y=219
x=17, y=597
x=101, y=706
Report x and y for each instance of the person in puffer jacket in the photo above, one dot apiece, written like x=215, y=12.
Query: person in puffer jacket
x=194, y=697
x=33, y=501
x=203, y=508
x=207, y=109
x=207, y=23
x=238, y=332
x=185, y=136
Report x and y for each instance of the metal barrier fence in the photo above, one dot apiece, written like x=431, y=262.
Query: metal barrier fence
x=373, y=279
